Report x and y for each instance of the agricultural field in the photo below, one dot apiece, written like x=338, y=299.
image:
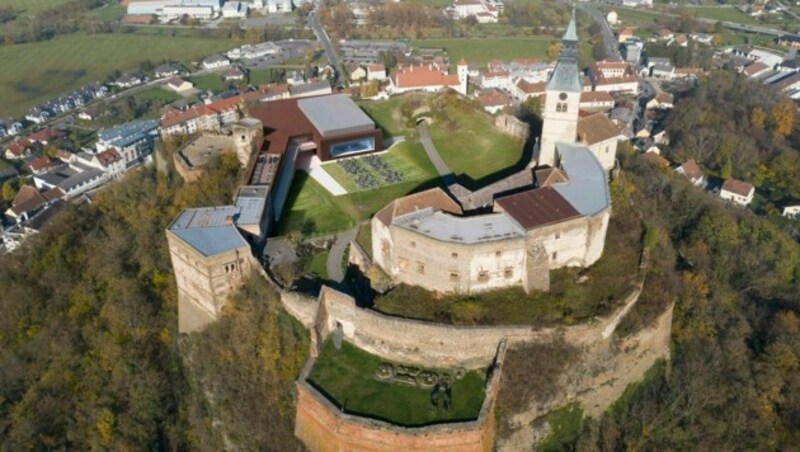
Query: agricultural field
x=44, y=70
x=29, y=7
x=112, y=12
x=480, y=51
x=348, y=377
x=311, y=210
x=725, y=13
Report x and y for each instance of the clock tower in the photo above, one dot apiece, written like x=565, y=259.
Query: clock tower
x=563, y=98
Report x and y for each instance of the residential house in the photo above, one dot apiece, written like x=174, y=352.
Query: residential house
x=692, y=171
x=273, y=91
x=429, y=78
x=739, y=192
x=234, y=74
x=493, y=100
x=755, y=69
x=662, y=101
x=29, y=201
x=624, y=34
x=792, y=211
x=133, y=140
x=216, y=62
x=39, y=115
x=495, y=79
x=88, y=114
x=129, y=80
x=167, y=70
x=601, y=136
x=702, y=38
x=628, y=84
x=524, y=89
x=73, y=179
x=9, y=127
x=596, y=101
x=357, y=73
x=179, y=85
x=791, y=41
x=665, y=34
x=485, y=11
x=209, y=117
x=376, y=71
x=39, y=165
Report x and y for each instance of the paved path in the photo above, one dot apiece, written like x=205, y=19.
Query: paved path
x=433, y=154
x=334, y=265
x=313, y=166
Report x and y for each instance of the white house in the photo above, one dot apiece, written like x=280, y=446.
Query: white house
x=596, y=101
x=376, y=71
x=737, y=191
x=429, y=78
x=358, y=73
x=692, y=171
x=234, y=10
x=216, y=62
x=496, y=79
x=792, y=211
x=179, y=85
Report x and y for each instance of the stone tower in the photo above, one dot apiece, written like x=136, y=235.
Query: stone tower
x=563, y=91
x=463, y=75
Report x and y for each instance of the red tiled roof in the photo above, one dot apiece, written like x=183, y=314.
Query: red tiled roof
x=17, y=147
x=738, y=187
x=493, y=98
x=172, y=118
x=754, y=68
x=434, y=198
x=596, y=128
x=596, y=96
x=495, y=74
x=45, y=135
x=108, y=156
x=531, y=88
x=692, y=169
x=526, y=61
x=377, y=67
x=39, y=163
x=537, y=207
x=421, y=76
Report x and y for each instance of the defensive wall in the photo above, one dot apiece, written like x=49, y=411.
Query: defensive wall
x=322, y=426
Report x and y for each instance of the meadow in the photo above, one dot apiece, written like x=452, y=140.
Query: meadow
x=37, y=72
x=28, y=7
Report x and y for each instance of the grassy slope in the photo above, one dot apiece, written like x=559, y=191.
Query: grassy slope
x=28, y=7
x=43, y=70
x=476, y=150
x=386, y=115
x=310, y=204
x=347, y=375
x=726, y=13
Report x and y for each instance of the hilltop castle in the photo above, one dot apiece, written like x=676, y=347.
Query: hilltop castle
x=553, y=214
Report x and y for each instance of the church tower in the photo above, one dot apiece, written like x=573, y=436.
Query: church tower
x=563, y=98
x=463, y=75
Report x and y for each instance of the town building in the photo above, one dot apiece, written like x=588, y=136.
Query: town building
x=737, y=191
x=179, y=85
x=428, y=78
x=216, y=62
x=133, y=140
x=234, y=10
x=493, y=101
x=691, y=170
x=791, y=211
x=254, y=51
x=376, y=71
x=207, y=117
x=485, y=11
x=595, y=101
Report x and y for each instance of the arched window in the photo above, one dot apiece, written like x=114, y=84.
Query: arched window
x=564, y=108
x=558, y=107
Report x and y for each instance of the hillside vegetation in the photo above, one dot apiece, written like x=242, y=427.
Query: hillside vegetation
x=89, y=352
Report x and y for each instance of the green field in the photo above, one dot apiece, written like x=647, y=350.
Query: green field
x=31, y=6
x=387, y=116
x=476, y=151
x=36, y=72
x=159, y=95
x=480, y=51
x=311, y=210
x=726, y=13
x=110, y=13
x=210, y=82
x=347, y=377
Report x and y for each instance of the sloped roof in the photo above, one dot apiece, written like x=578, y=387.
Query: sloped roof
x=209, y=230
x=587, y=190
x=596, y=128
x=596, y=96
x=493, y=98
x=531, y=88
x=446, y=227
x=738, y=187
x=434, y=198
x=537, y=207
x=421, y=76
x=691, y=169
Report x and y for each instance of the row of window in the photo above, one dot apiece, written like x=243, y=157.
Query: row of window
x=561, y=107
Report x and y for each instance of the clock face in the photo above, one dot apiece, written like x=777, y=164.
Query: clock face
x=562, y=96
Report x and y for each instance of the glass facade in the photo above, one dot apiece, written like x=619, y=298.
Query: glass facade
x=356, y=146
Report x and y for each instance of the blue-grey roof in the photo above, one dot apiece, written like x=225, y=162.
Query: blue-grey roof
x=587, y=189
x=335, y=115
x=251, y=202
x=468, y=230
x=565, y=77
x=207, y=230
x=571, y=34
x=130, y=132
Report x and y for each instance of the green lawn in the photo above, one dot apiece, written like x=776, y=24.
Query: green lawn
x=317, y=264
x=159, y=95
x=262, y=76
x=726, y=13
x=39, y=71
x=475, y=150
x=311, y=210
x=110, y=13
x=340, y=175
x=387, y=116
x=631, y=18
x=347, y=377
x=210, y=82
x=480, y=51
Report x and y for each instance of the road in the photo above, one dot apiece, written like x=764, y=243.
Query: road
x=325, y=40
x=433, y=155
x=336, y=255
x=611, y=44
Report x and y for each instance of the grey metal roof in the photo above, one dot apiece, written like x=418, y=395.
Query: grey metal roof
x=335, y=115
x=571, y=33
x=206, y=229
x=130, y=132
x=251, y=202
x=80, y=178
x=587, y=189
x=565, y=77
x=309, y=87
x=468, y=230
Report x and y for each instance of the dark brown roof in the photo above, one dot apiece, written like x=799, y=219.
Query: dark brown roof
x=656, y=159
x=27, y=193
x=282, y=120
x=596, y=128
x=434, y=198
x=549, y=176
x=739, y=187
x=537, y=207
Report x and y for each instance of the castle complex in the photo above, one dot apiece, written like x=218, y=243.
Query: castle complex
x=558, y=220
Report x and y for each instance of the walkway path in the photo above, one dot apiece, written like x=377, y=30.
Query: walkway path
x=434, y=156
x=313, y=166
x=334, y=265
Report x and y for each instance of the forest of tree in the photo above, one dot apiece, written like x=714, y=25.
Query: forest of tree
x=89, y=352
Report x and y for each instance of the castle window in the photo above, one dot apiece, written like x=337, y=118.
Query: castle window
x=498, y=254
x=564, y=108
x=413, y=244
x=420, y=268
x=555, y=255
x=483, y=276
x=453, y=276
x=558, y=107
x=454, y=255
x=558, y=235
x=508, y=272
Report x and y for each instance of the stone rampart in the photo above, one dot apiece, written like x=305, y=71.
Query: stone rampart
x=322, y=426
x=512, y=126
